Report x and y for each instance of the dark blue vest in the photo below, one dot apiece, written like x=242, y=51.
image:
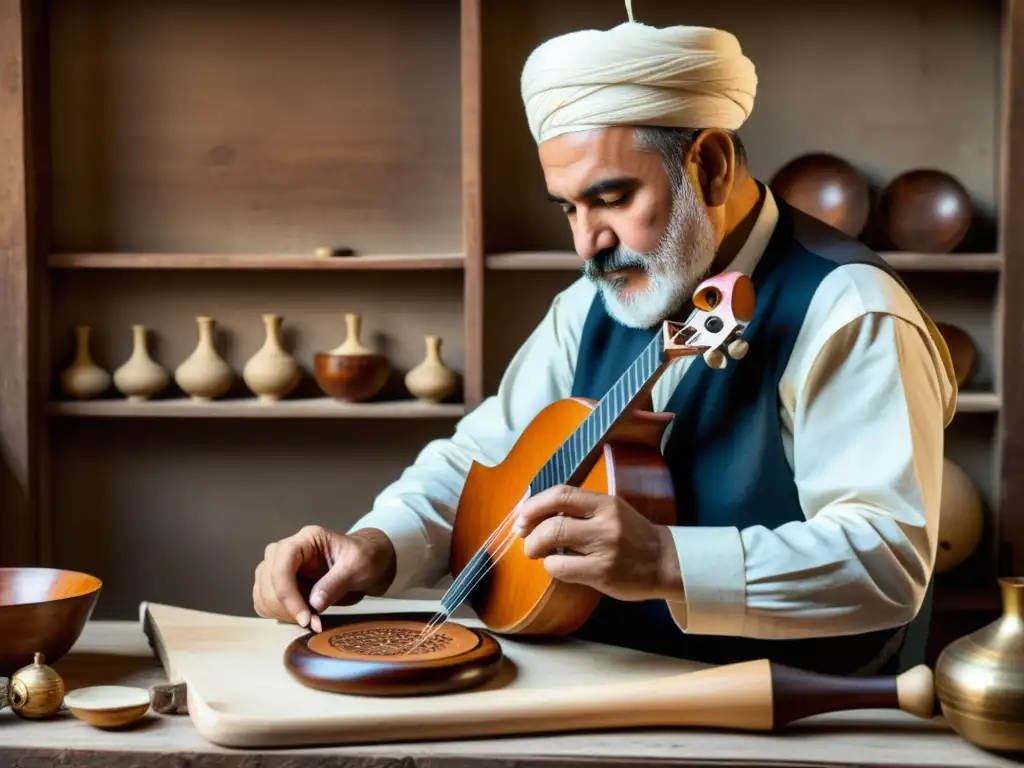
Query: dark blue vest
x=725, y=451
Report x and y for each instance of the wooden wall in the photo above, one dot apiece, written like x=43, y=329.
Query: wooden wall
x=188, y=132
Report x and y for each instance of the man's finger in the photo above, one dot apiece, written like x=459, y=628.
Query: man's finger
x=559, y=532
x=287, y=558
x=559, y=499
x=333, y=586
x=269, y=607
x=574, y=569
x=257, y=598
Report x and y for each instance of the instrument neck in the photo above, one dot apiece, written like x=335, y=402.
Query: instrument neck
x=577, y=455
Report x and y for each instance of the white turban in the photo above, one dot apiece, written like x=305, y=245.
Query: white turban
x=634, y=74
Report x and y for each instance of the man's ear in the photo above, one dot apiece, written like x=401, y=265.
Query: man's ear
x=711, y=163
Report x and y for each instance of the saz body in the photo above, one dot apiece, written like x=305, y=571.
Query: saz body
x=612, y=447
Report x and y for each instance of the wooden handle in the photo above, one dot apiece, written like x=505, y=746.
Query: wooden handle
x=749, y=696
x=797, y=694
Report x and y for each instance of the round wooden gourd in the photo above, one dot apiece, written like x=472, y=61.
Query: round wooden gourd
x=366, y=658
x=961, y=350
x=961, y=520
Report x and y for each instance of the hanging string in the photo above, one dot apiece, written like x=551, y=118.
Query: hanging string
x=479, y=566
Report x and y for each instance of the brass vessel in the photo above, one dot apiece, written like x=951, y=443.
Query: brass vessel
x=979, y=678
x=36, y=691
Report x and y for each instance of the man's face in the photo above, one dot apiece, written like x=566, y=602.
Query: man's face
x=645, y=245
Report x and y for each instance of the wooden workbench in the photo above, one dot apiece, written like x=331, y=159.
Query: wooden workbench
x=118, y=652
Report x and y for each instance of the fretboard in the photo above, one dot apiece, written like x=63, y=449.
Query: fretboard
x=578, y=448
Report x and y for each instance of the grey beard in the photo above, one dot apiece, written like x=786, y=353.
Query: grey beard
x=674, y=268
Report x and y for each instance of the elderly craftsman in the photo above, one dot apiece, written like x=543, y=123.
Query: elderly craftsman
x=808, y=476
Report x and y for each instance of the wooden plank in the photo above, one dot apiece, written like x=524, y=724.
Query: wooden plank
x=254, y=261
x=932, y=262
x=1010, y=515
x=944, y=262
x=18, y=524
x=250, y=408
x=318, y=408
x=40, y=182
x=978, y=402
x=472, y=203
x=269, y=139
x=118, y=653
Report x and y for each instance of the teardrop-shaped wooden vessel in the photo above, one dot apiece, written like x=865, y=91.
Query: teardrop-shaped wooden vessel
x=140, y=377
x=204, y=375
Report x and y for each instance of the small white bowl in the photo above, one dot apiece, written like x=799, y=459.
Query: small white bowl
x=108, y=706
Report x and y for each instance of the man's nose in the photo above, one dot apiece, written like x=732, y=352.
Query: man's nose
x=590, y=238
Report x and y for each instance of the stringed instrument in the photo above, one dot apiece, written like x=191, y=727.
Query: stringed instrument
x=610, y=447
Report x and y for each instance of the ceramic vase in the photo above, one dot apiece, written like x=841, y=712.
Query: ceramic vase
x=271, y=373
x=204, y=375
x=84, y=379
x=979, y=678
x=140, y=377
x=431, y=381
x=351, y=372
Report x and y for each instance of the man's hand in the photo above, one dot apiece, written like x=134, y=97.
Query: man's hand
x=316, y=568
x=614, y=548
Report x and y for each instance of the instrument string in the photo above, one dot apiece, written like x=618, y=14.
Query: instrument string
x=566, y=460
x=474, y=573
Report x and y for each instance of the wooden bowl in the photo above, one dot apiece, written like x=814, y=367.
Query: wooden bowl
x=926, y=211
x=42, y=610
x=826, y=187
x=351, y=378
x=961, y=350
x=366, y=658
x=108, y=706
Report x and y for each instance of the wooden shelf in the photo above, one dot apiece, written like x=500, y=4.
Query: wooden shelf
x=969, y=402
x=250, y=408
x=978, y=402
x=254, y=261
x=944, y=262
x=917, y=262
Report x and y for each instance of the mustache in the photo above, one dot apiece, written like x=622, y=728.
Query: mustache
x=610, y=260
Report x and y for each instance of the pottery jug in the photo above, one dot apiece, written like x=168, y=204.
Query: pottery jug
x=351, y=372
x=431, y=381
x=83, y=379
x=140, y=377
x=204, y=375
x=271, y=373
x=979, y=678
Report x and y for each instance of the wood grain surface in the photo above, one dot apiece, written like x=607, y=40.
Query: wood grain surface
x=241, y=695
x=117, y=653
x=365, y=655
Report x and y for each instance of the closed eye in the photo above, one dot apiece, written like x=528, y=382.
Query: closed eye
x=619, y=201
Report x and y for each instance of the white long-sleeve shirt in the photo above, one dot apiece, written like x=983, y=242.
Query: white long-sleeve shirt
x=863, y=401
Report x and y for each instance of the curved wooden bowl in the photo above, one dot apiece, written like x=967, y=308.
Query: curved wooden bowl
x=961, y=350
x=827, y=188
x=351, y=378
x=42, y=610
x=108, y=706
x=926, y=211
x=363, y=657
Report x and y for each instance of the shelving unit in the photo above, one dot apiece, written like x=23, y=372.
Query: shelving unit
x=909, y=262
x=250, y=408
x=171, y=161
x=408, y=261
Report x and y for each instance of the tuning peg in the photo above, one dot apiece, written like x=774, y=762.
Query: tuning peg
x=714, y=358
x=738, y=349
